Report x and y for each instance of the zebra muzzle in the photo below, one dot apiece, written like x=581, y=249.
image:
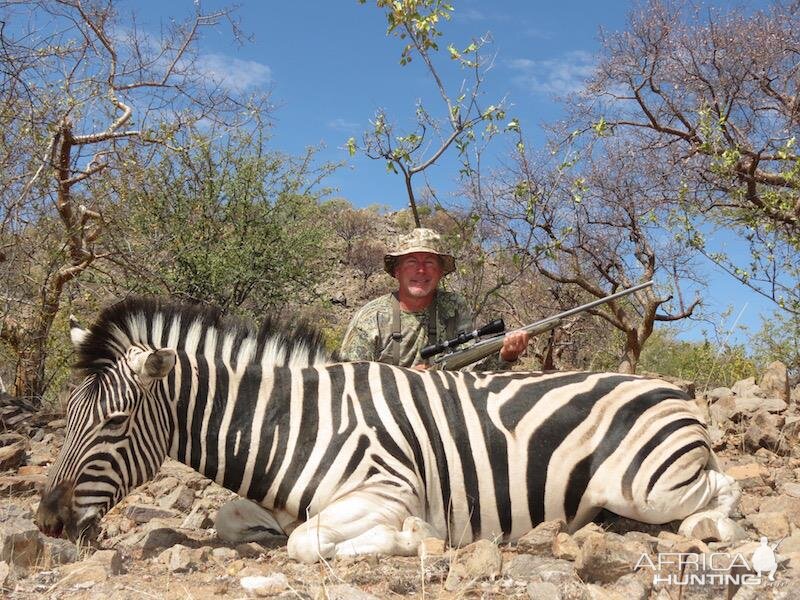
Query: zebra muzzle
x=55, y=513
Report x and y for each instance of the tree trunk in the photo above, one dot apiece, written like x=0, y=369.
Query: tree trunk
x=29, y=380
x=630, y=355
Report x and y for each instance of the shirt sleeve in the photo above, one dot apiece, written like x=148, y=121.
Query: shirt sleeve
x=493, y=362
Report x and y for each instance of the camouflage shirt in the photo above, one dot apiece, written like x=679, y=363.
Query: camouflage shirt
x=369, y=335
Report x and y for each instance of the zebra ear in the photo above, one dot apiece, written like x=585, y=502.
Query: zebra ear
x=154, y=365
x=77, y=332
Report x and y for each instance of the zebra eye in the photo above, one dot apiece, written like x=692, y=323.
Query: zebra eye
x=117, y=420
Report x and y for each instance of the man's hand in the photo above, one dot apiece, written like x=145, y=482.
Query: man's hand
x=420, y=367
x=514, y=344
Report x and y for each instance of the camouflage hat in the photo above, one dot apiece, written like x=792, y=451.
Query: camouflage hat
x=419, y=240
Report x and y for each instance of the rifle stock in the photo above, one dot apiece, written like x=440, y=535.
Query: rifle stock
x=457, y=360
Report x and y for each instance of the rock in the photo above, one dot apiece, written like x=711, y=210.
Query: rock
x=565, y=547
x=15, y=511
x=110, y=560
x=479, y=560
x=790, y=544
x=791, y=488
x=143, y=513
x=431, y=547
x=718, y=393
x=606, y=558
x=250, y=550
x=784, y=504
x=543, y=590
x=57, y=551
x=763, y=432
x=198, y=518
x=775, y=381
x=12, y=455
x=771, y=524
x=26, y=470
x=749, y=475
x=21, y=484
x=163, y=486
x=635, y=586
x=747, y=387
x=672, y=542
x=181, y=559
x=82, y=575
x=596, y=592
x=345, y=592
x=265, y=585
x=752, y=404
x=224, y=554
x=181, y=499
x=542, y=568
x=586, y=531
x=540, y=539
x=20, y=544
x=159, y=538
x=724, y=410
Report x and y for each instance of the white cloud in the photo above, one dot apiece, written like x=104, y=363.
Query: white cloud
x=340, y=124
x=556, y=76
x=234, y=74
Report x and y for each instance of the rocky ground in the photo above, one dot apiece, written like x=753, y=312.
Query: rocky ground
x=160, y=542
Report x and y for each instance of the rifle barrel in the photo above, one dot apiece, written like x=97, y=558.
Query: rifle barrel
x=482, y=349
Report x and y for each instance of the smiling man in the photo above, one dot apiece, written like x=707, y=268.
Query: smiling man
x=395, y=327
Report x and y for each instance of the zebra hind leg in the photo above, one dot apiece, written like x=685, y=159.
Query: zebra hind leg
x=703, y=501
x=359, y=523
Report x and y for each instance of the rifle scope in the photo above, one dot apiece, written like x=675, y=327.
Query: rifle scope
x=496, y=326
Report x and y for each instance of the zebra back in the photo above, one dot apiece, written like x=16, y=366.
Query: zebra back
x=158, y=323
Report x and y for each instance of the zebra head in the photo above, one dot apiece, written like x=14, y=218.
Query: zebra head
x=117, y=436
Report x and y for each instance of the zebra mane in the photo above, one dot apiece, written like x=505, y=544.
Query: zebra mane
x=161, y=323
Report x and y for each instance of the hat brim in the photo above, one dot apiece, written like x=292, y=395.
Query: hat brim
x=390, y=260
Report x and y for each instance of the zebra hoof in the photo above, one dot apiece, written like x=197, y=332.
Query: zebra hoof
x=711, y=526
x=242, y=520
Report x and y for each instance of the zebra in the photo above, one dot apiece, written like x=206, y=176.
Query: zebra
x=368, y=458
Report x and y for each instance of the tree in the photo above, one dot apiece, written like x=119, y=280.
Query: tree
x=409, y=154
x=231, y=225
x=590, y=223
x=710, y=97
x=83, y=91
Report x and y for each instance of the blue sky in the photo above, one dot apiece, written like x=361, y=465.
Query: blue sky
x=329, y=66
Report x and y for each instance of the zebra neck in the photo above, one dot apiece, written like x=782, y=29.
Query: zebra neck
x=234, y=427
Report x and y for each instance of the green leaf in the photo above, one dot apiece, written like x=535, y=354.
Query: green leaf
x=351, y=146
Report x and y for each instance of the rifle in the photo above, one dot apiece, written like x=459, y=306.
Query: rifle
x=455, y=360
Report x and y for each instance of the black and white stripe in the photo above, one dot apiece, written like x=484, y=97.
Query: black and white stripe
x=473, y=455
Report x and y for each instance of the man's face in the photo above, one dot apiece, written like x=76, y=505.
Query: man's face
x=418, y=274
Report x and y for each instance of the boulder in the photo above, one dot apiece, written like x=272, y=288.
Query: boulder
x=20, y=544
x=763, y=431
x=57, y=551
x=541, y=538
x=13, y=455
x=749, y=475
x=480, y=560
x=775, y=381
x=543, y=590
x=274, y=584
x=606, y=558
x=431, y=547
x=747, y=387
x=181, y=498
x=774, y=525
x=565, y=547
x=540, y=568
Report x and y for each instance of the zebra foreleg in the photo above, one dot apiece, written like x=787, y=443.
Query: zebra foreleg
x=358, y=523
